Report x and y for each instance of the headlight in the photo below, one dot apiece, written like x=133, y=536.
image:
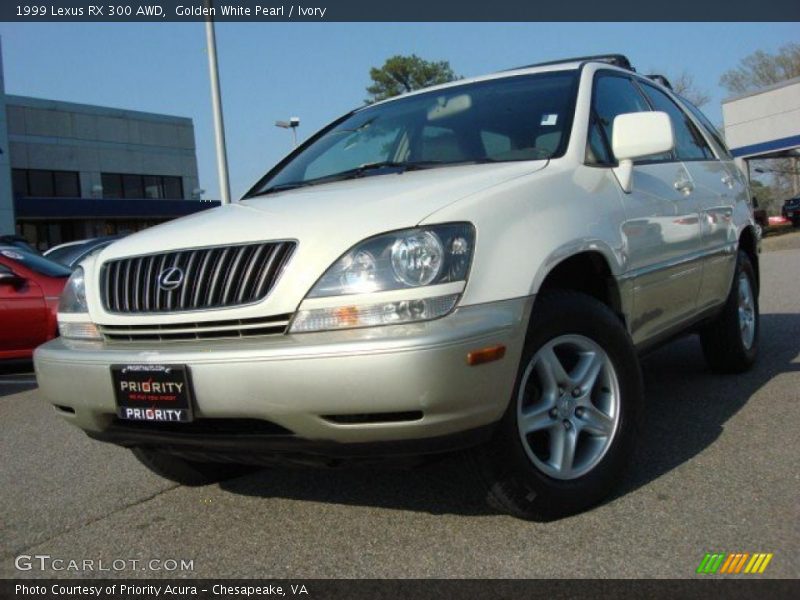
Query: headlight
x=73, y=298
x=400, y=260
x=410, y=259
x=73, y=302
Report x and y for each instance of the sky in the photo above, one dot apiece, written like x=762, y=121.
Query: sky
x=318, y=71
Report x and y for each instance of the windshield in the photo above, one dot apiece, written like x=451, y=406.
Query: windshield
x=525, y=117
x=35, y=262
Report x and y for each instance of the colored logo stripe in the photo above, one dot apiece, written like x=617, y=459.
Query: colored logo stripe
x=733, y=563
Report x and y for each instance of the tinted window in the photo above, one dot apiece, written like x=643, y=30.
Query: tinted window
x=153, y=187
x=40, y=183
x=127, y=185
x=65, y=184
x=689, y=143
x=112, y=185
x=712, y=131
x=613, y=96
x=132, y=186
x=173, y=188
x=20, y=182
x=508, y=119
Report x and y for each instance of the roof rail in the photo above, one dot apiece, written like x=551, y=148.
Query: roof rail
x=660, y=79
x=618, y=60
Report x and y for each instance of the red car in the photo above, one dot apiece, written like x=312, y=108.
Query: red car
x=30, y=286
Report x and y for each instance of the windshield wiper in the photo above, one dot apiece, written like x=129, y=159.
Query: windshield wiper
x=401, y=166
x=390, y=165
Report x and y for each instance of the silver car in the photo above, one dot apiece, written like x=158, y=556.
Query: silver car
x=477, y=265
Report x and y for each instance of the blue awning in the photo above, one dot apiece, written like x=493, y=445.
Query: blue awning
x=767, y=147
x=107, y=208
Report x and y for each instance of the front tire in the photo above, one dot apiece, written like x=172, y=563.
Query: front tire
x=571, y=425
x=187, y=472
x=730, y=342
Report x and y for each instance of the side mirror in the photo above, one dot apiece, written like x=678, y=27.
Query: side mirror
x=636, y=135
x=10, y=278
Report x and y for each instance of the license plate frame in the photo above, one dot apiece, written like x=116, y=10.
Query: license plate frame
x=153, y=393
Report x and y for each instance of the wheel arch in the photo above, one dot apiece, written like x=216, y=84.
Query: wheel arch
x=588, y=271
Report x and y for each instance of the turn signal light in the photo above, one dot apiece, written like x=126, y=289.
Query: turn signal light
x=485, y=355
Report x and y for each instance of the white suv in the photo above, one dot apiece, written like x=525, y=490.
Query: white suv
x=477, y=264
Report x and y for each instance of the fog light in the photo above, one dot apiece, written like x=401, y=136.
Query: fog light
x=77, y=330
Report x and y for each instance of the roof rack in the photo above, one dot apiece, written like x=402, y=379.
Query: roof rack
x=660, y=79
x=618, y=60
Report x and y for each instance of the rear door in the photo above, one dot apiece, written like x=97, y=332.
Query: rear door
x=661, y=230
x=718, y=185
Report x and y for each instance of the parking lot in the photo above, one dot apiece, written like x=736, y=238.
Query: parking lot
x=718, y=471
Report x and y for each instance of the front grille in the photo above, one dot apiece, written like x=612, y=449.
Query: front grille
x=218, y=277
x=205, y=330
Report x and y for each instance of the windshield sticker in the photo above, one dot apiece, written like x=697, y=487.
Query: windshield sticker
x=549, y=119
x=12, y=254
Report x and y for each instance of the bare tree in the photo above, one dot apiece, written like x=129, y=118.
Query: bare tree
x=684, y=85
x=761, y=69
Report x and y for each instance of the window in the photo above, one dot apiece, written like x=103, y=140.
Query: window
x=173, y=188
x=613, y=95
x=112, y=185
x=495, y=144
x=153, y=187
x=66, y=184
x=689, y=142
x=597, y=148
x=134, y=186
x=440, y=144
x=712, y=131
x=20, y=183
x=517, y=118
x=41, y=183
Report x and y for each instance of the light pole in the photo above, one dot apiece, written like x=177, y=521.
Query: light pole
x=216, y=104
x=292, y=124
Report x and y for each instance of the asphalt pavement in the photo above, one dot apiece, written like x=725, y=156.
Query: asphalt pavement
x=718, y=470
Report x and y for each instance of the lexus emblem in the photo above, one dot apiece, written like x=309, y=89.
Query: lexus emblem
x=170, y=278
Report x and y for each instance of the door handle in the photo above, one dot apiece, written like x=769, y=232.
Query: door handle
x=727, y=180
x=685, y=186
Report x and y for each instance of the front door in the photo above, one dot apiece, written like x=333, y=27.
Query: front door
x=661, y=232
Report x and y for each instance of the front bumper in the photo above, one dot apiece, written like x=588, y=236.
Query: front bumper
x=319, y=390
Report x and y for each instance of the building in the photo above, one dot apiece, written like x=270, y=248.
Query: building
x=765, y=124
x=73, y=171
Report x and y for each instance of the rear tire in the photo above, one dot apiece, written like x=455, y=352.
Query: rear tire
x=730, y=341
x=187, y=472
x=532, y=466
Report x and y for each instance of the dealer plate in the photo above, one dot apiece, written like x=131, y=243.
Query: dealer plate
x=160, y=393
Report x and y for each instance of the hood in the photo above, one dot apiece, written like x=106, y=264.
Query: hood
x=326, y=220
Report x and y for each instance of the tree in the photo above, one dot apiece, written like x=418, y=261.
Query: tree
x=684, y=85
x=402, y=74
x=761, y=69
